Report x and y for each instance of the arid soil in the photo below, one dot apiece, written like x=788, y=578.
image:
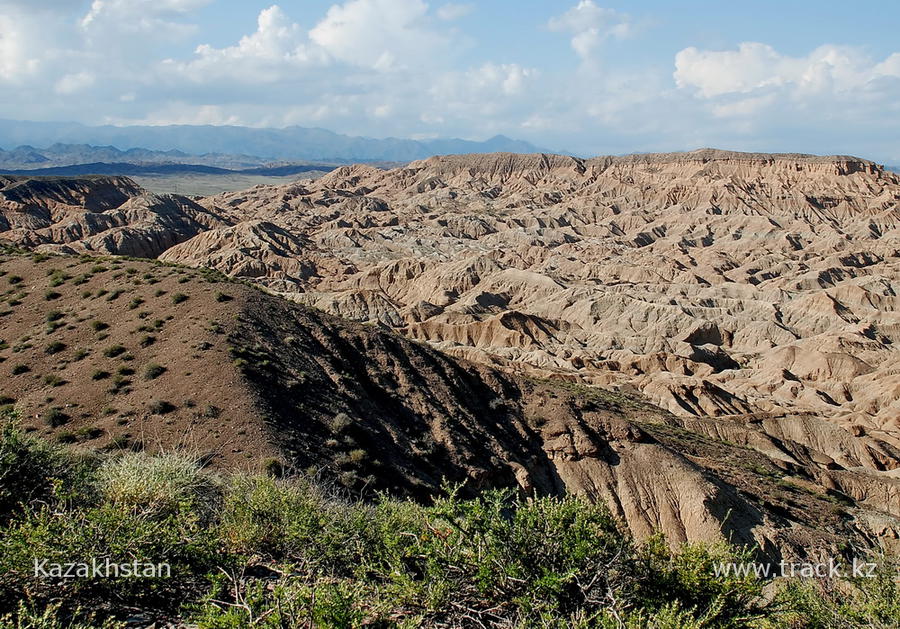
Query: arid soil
x=753, y=298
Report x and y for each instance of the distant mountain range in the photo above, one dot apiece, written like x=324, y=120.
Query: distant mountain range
x=150, y=169
x=178, y=142
x=27, y=157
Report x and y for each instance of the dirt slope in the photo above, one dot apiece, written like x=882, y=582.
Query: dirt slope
x=116, y=353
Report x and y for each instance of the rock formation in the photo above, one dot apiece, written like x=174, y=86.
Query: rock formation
x=752, y=296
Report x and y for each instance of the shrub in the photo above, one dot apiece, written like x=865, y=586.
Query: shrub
x=120, y=384
x=147, y=340
x=50, y=295
x=153, y=371
x=113, y=351
x=15, y=279
x=54, y=315
x=66, y=437
x=341, y=422
x=212, y=411
x=55, y=347
x=99, y=326
x=53, y=380
x=27, y=467
x=178, y=298
x=157, y=485
x=90, y=432
x=100, y=374
x=55, y=417
x=135, y=303
x=161, y=407
x=223, y=297
x=20, y=369
x=273, y=467
x=357, y=456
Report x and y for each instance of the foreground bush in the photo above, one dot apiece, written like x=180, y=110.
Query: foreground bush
x=264, y=552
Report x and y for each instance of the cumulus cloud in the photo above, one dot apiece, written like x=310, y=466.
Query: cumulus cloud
x=404, y=68
x=276, y=48
x=108, y=19
x=755, y=66
x=381, y=34
x=15, y=60
x=590, y=25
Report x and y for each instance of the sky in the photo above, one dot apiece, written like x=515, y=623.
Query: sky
x=584, y=76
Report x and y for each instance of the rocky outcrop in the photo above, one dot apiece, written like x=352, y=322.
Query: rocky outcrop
x=97, y=214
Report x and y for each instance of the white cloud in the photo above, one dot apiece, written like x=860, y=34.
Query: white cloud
x=454, y=11
x=405, y=68
x=590, y=25
x=15, y=58
x=755, y=66
x=277, y=48
x=380, y=34
x=144, y=15
x=72, y=83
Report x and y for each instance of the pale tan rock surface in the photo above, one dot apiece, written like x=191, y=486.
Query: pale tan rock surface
x=754, y=297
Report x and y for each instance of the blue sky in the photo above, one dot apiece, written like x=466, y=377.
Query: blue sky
x=586, y=76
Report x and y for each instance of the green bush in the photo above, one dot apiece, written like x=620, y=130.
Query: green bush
x=27, y=467
x=55, y=417
x=113, y=351
x=153, y=371
x=288, y=552
x=55, y=347
x=158, y=485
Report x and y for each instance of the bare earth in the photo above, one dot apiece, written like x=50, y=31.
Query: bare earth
x=751, y=297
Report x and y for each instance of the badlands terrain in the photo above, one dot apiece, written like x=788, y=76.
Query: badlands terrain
x=732, y=318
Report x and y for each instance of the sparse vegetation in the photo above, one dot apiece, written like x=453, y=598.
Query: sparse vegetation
x=161, y=407
x=153, y=371
x=114, y=351
x=341, y=422
x=55, y=417
x=53, y=380
x=55, y=347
